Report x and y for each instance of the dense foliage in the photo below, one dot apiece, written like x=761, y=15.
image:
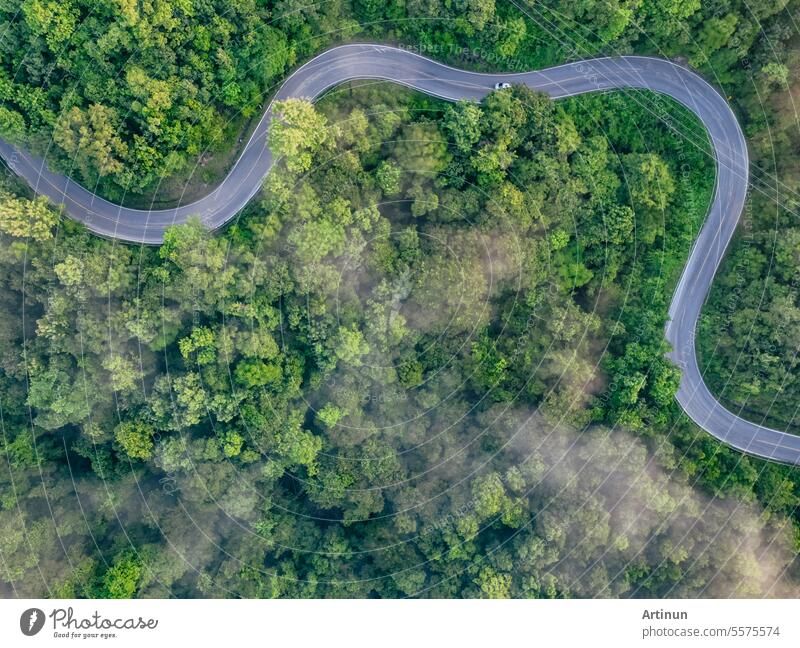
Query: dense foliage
x=428, y=359
x=146, y=100
x=122, y=94
x=373, y=383
x=750, y=331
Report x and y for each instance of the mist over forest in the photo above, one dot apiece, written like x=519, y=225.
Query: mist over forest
x=428, y=358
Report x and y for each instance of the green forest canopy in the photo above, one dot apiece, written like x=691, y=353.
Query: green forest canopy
x=347, y=392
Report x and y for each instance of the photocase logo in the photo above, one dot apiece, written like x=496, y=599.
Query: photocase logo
x=31, y=621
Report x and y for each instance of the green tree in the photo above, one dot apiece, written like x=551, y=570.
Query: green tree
x=122, y=579
x=421, y=149
x=351, y=346
x=462, y=122
x=649, y=180
x=388, y=176
x=23, y=218
x=90, y=139
x=135, y=438
x=298, y=132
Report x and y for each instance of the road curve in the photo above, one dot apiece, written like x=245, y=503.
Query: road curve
x=360, y=61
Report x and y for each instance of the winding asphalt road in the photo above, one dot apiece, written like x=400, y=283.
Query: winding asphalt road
x=362, y=61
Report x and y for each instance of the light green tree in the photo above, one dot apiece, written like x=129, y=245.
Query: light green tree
x=298, y=131
x=91, y=140
x=136, y=438
x=351, y=346
x=388, y=175
x=649, y=179
x=27, y=218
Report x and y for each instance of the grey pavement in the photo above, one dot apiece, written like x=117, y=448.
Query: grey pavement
x=368, y=61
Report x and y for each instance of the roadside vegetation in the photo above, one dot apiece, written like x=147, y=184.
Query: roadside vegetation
x=427, y=360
